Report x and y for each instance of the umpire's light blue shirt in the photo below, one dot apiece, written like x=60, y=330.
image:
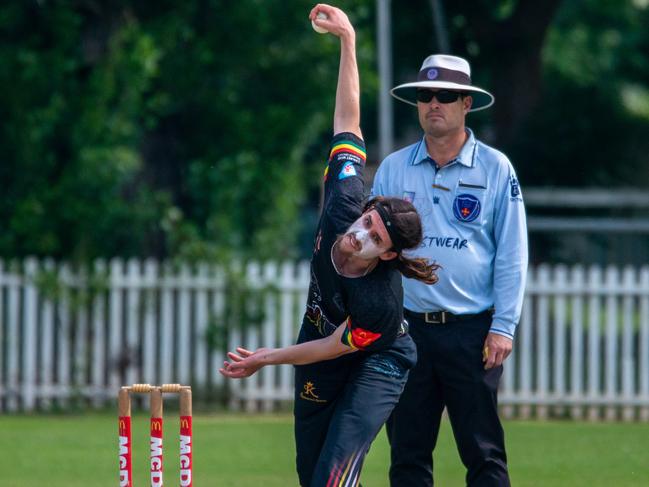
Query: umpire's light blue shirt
x=474, y=226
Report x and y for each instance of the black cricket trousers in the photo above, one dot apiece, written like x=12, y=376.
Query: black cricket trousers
x=449, y=372
x=340, y=406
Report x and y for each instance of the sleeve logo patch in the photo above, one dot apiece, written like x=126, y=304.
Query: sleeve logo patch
x=466, y=207
x=363, y=338
x=347, y=171
x=514, y=189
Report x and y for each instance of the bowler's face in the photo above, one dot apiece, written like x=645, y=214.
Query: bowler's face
x=441, y=119
x=366, y=238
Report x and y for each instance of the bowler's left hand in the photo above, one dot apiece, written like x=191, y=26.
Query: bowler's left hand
x=496, y=349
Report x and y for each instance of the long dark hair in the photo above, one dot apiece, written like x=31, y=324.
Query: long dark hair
x=407, y=224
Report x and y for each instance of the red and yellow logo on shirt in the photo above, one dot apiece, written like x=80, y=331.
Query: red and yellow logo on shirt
x=358, y=337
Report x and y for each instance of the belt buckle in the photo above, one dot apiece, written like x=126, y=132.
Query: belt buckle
x=434, y=321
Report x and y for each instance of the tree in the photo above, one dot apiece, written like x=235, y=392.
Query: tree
x=141, y=128
x=569, y=80
x=162, y=128
x=71, y=107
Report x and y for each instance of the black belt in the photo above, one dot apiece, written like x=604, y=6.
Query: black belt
x=444, y=317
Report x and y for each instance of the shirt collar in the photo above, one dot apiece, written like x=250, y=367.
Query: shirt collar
x=465, y=157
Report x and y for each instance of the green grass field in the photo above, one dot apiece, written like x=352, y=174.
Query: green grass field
x=253, y=451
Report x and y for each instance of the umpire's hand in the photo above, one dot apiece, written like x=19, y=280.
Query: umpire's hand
x=496, y=349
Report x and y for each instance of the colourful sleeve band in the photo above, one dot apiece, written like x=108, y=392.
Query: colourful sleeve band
x=354, y=153
x=347, y=146
x=347, y=335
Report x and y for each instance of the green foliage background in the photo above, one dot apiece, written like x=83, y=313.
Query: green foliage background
x=158, y=128
x=193, y=128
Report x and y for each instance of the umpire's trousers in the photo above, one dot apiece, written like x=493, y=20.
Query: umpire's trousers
x=449, y=372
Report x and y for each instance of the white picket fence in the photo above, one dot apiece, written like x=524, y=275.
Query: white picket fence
x=70, y=337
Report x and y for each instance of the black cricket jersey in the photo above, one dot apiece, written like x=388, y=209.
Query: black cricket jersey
x=371, y=305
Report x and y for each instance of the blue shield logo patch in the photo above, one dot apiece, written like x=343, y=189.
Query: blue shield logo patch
x=466, y=207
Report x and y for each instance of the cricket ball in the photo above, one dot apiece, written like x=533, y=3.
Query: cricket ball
x=318, y=29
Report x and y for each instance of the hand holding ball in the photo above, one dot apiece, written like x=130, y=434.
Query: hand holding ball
x=318, y=29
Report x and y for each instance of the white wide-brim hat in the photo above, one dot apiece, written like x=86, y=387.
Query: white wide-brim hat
x=444, y=72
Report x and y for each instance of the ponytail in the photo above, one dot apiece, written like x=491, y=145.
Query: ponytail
x=417, y=268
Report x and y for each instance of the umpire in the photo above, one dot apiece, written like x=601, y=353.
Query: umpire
x=471, y=207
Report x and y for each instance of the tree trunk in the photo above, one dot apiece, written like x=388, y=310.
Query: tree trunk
x=514, y=47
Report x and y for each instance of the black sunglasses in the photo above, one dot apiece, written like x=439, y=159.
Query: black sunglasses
x=442, y=96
